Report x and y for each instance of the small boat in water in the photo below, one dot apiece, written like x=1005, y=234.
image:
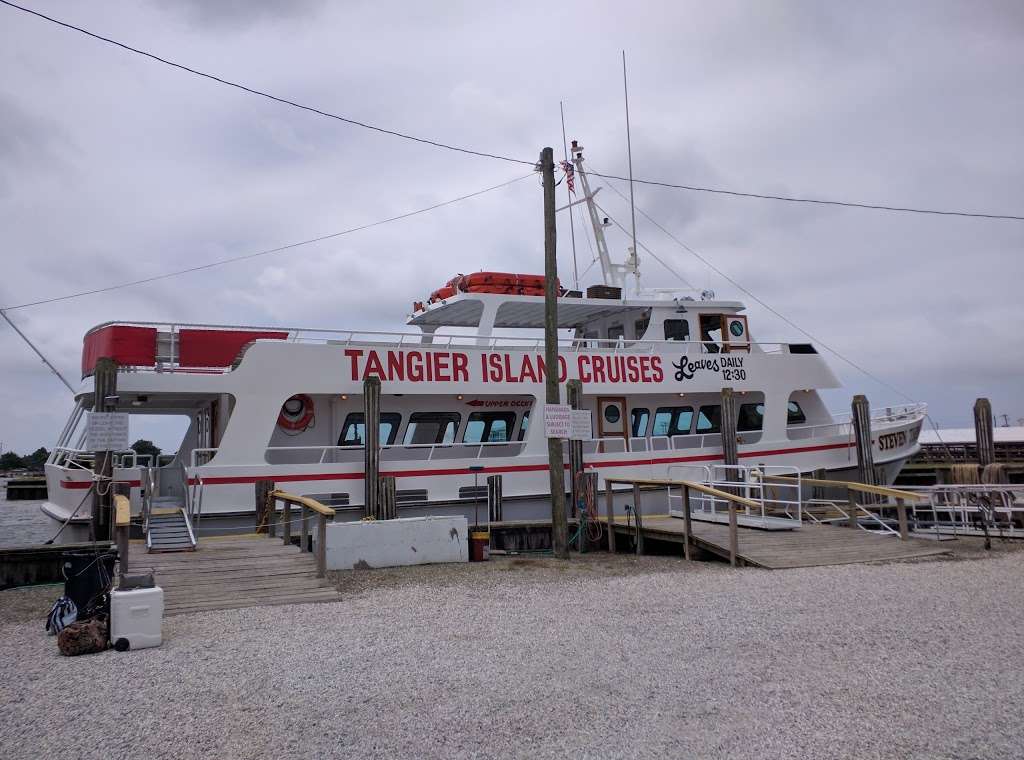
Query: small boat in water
x=285, y=404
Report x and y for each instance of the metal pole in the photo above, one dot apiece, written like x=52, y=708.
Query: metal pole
x=568, y=195
x=629, y=154
x=38, y=352
x=559, y=522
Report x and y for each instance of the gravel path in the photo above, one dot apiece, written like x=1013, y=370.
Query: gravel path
x=615, y=657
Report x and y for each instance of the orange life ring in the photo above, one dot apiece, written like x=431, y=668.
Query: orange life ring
x=296, y=413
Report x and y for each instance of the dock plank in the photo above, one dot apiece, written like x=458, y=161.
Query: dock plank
x=808, y=546
x=234, y=573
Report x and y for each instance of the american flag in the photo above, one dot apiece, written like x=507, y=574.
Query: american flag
x=570, y=176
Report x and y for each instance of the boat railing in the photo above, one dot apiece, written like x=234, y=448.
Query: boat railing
x=66, y=457
x=404, y=452
x=769, y=499
x=169, y=360
x=825, y=430
x=900, y=413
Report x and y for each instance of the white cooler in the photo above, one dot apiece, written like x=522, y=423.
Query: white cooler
x=136, y=617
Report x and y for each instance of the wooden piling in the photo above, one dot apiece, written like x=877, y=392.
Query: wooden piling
x=104, y=386
x=734, y=537
x=687, y=529
x=264, y=504
x=371, y=445
x=851, y=507
x=984, y=433
x=574, y=394
x=609, y=505
x=638, y=514
x=304, y=528
x=901, y=515
x=286, y=522
x=861, y=420
x=387, y=505
x=494, y=509
x=730, y=450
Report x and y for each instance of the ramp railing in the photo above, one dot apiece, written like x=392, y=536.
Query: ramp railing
x=308, y=507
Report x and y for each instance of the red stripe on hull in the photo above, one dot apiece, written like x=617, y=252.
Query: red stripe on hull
x=293, y=478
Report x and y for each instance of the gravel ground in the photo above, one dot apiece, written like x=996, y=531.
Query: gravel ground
x=610, y=657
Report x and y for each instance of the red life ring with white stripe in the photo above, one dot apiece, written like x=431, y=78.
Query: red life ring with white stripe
x=296, y=413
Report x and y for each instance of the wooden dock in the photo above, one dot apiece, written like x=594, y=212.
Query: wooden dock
x=230, y=572
x=809, y=546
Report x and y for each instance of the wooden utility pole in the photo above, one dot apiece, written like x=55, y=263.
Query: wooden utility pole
x=984, y=434
x=559, y=521
x=104, y=379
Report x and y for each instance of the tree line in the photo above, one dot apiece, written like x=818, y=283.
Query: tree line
x=10, y=461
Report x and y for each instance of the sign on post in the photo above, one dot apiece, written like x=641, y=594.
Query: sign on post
x=557, y=420
x=107, y=431
x=580, y=428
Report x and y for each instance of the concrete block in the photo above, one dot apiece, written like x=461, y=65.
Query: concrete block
x=393, y=543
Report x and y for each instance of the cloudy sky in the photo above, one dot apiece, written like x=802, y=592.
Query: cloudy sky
x=114, y=167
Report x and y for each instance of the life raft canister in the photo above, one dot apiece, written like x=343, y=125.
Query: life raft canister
x=296, y=413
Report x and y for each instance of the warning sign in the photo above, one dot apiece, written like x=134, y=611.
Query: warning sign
x=557, y=420
x=107, y=431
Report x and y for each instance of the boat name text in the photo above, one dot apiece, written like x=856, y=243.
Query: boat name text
x=456, y=367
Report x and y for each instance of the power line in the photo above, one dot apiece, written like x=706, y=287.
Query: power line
x=819, y=201
x=778, y=314
x=483, y=154
x=279, y=249
x=262, y=94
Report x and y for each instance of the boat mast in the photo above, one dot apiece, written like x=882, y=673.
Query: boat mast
x=614, y=275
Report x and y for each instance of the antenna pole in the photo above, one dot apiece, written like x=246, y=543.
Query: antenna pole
x=39, y=353
x=568, y=195
x=629, y=154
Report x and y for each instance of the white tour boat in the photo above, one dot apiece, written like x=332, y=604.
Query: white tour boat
x=286, y=404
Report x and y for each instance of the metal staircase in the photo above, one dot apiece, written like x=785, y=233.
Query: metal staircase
x=170, y=531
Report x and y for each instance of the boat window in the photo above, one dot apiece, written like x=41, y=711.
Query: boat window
x=709, y=420
x=672, y=420
x=639, y=419
x=677, y=329
x=641, y=327
x=354, y=428
x=431, y=427
x=489, y=427
x=616, y=331
x=524, y=425
x=711, y=332
x=750, y=417
x=794, y=414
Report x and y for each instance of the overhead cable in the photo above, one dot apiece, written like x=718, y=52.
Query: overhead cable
x=469, y=151
x=261, y=93
x=267, y=252
x=778, y=314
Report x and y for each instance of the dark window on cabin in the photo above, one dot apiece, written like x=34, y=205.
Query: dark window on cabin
x=354, y=428
x=489, y=427
x=711, y=332
x=794, y=414
x=709, y=419
x=750, y=417
x=615, y=332
x=524, y=425
x=641, y=327
x=638, y=421
x=431, y=427
x=677, y=329
x=672, y=420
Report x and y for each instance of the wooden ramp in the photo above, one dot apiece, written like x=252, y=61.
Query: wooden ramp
x=230, y=572
x=809, y=546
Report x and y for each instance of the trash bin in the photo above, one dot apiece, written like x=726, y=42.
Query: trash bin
x=479, y=546
x=86, y=574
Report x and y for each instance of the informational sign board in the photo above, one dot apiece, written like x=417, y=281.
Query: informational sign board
x=107, y=431
x=581, y=428
x=557, y=420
